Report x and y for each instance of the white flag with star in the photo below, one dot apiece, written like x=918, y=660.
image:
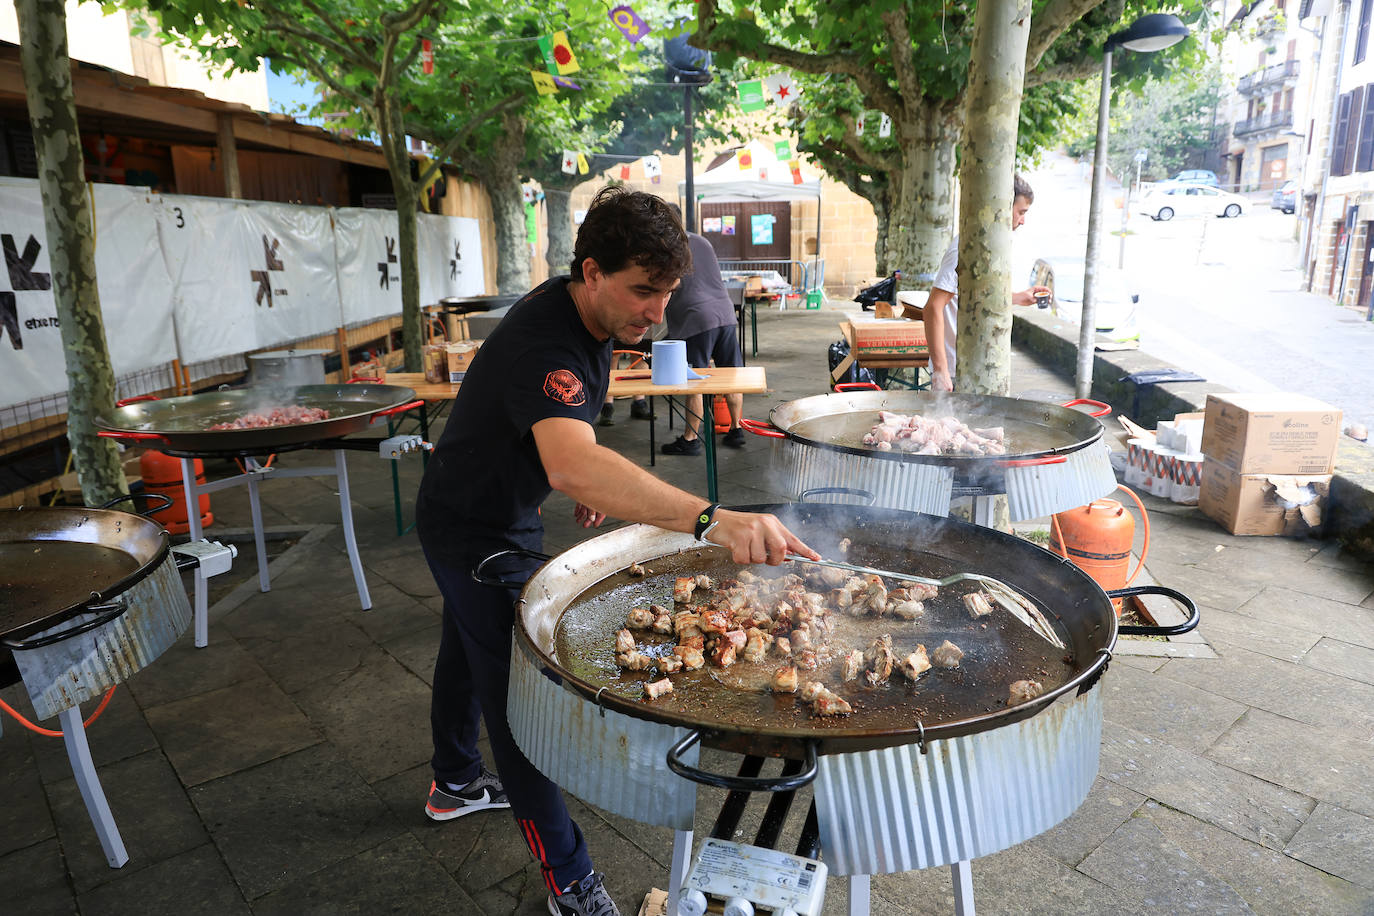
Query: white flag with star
x=780, y=88
x=569, y=162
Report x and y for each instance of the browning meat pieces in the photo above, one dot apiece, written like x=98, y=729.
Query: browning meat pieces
x=853, y=664
x=663, y=621
x=1024, y=692
x=879, y=660
x=946, y=655
x=930, y=436
x=704, y=582
x=908, y=610
x=823, y=701
x=977, y=604
x=638, y=572
x=915, y=664
x=691, y=656
x=683, y=588
x=756, y=646
x=785, y=679
x=669, y=664
x=655, y=689
x=624, y=642
x=639, y=618
x=634, y=660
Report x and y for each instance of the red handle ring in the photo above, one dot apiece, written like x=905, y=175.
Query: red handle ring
x=135, y=399
x=399, y=408
x=1106, y=408
x=758, y=428
x=1032, y=462
x=858, y=386
x=131, y=436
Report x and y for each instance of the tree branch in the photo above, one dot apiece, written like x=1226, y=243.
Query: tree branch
x=1069, y=70
x=451, y=145
x=839, y=165
x=855, y=149
x=316, y=69
x=329, y=22
x=874, y=87
x=899, y=47
x=1055, y=19
x=394, y=26
x=312, y=37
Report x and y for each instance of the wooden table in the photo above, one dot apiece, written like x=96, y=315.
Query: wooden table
x=734, y=380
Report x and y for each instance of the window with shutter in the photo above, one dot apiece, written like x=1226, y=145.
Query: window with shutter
x=1339, y=137
x=1352, y=139
x=1364, y=159
x=1362, y=36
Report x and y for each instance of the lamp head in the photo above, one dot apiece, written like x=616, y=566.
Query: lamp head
x=1151, y=32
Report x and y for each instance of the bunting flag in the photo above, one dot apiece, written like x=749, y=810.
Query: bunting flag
x=885, y=126
x=859, y=125
x=795, y=166
x=569, y=162
x=780, y=88
x=543, y=82
x=763, y=174
x=563, y=82
x=558, y=54
x=426, y=56
x=625, y=171
x=527, y=194
x=751, y=97
x=629, y=23
x=746, y=159
x=782, y=150
x=653, y=170
x=582, y=164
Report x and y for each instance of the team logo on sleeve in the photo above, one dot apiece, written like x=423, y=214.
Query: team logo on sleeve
x=564, y=387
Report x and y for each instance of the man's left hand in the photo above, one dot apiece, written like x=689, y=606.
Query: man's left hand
x=588, y=517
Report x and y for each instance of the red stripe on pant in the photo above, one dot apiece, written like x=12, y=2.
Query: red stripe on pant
x=537, y=850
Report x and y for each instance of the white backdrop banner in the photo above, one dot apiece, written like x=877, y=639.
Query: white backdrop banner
x=450, y=257
x=135, y=291
x=296, y=270
x=369, y=263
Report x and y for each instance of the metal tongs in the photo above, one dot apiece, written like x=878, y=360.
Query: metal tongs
x=1008, y=598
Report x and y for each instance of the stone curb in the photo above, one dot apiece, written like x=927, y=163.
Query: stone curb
x=1054, y=342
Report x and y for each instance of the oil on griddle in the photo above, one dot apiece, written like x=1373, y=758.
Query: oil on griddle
x=38, y=577
x=998, y=650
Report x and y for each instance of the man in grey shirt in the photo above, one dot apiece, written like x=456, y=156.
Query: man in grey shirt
x=702, y=314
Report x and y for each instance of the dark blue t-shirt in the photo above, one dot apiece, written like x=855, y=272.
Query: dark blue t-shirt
x=484, y=484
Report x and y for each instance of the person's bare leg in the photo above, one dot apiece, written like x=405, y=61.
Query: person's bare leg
x=693, y=417
x=735, y=404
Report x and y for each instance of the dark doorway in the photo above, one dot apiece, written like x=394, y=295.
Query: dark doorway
x=729, y=227
x=1366, y=272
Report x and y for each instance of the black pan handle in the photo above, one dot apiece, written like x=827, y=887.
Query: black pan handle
x=840, y=491
x=106, y=612
x=480, y=577
x=166, y=502
x=1190, y=623
x=739, y=783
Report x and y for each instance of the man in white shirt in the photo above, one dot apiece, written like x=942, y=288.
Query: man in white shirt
x=942, y=307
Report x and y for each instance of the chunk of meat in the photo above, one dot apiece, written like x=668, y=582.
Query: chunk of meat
x=683, y=587
x=639, y=618
x=669, y=664
x=1024, y=692
x=663, y=621
x=782, y=646
x=275, y=416
x=723, y=656
x=624, y=641
x=879, y=660
x=977, y=604
x=946, y=655
x=634, y=660
x=638, y=572
x=824, y=702
x=853, y=664
x=810, y=690
x=785, y=679
x=756, y=646
x=909, y=610
x=687, y=624
x=915, y=664
x=691, y=656
x=806, y=659
x=655, y=689
x=714, y=622
x=704, y=582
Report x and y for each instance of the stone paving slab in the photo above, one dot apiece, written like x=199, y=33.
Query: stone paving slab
x=1262, y=812
x=1351, y=586
x=120, y=732
x=1339, y=842
x=1338, y=657
x=35, y=877
x=1107, y=806
x=291, y=817
x=1207, y=589
x=1275, y=640
x=185, y=671
x=24, y=819
x=224, y=731
x=1177, y=713
x=1305, y=611
x=192, y=882
x=1331, y=764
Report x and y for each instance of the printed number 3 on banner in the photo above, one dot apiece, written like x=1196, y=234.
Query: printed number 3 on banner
x=181, y=220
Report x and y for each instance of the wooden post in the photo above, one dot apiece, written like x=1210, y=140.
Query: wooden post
x=344, y=372
x=229, y=157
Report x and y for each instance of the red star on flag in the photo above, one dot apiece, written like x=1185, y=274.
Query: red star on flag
x=783, y=92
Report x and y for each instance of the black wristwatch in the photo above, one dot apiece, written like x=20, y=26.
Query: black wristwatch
x=705, y=521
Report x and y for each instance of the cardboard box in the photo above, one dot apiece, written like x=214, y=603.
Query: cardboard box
x=889, y=337
x=1262, y=504
x=1271, y=433
x=883, y=310
x=459, y=359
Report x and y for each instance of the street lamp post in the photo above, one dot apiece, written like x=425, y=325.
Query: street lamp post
x=1152, y=32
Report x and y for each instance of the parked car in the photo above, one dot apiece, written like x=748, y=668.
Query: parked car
x=1197, y=176
x=1165, y=201
x=1285, y=197
x=1115, y=312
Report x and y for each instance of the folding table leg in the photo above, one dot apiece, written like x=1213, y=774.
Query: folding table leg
x=962, y=872
x=259, y=539
x=83, y=768
x=202, y=614
x=682, y=861
x=346, y=510
x=858, y=895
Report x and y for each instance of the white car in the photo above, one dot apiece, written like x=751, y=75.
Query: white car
x=1116, y=304
x=1169, y=199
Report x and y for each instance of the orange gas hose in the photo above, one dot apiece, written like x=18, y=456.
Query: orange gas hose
x=48, y=731
x=1145, y=527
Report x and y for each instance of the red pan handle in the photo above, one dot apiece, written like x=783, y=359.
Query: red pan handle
x=758, y=428
x=136, y=398
x=399, y=408
x=132, y=436
x=1106, y=408
x=857, y=386
x=1032, y=462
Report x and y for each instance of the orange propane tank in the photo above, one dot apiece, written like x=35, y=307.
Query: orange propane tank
x=1097, y=539
x=721, y=411
x=162, y=475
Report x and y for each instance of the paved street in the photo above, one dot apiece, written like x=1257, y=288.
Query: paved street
x=1221, y=297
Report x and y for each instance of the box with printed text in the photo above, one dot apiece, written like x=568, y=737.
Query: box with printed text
x=889, y=337
x=1271, y=433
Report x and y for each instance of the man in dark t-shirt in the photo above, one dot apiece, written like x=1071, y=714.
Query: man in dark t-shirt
x=522, y=426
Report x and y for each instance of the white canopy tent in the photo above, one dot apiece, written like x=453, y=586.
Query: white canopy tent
x=766, y=179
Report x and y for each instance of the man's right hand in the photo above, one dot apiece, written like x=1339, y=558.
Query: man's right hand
x=940, y=381
x=753, y=537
